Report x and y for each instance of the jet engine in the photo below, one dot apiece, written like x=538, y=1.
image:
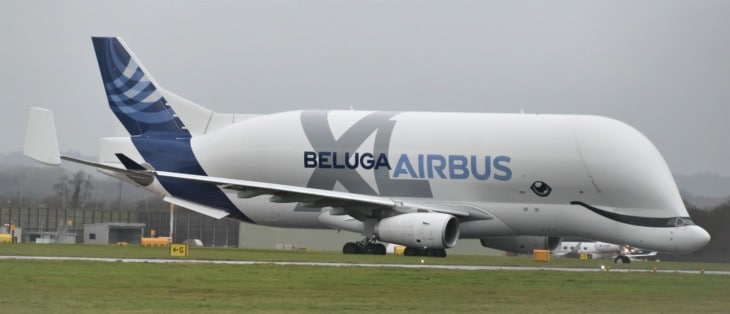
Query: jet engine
x=522, y=244
x=419, y=230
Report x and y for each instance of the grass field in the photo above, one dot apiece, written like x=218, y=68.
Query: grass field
x=93, y=287
x=133, y=251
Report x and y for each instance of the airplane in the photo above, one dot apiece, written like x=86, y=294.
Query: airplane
x=597, y=249
x=423, y=180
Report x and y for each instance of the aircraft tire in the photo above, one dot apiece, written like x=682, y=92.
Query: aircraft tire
x=381, y=249
x=351, y=248
x=371, y=249
x=435, y=252
x=622, y=260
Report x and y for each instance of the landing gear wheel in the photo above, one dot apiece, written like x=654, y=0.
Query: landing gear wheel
x=375, y=249
x=621, y=259
x=409, y=251
x=371, y=249
x=381, y=249
x=435, y=252
x=351, y=248
x=364, y=247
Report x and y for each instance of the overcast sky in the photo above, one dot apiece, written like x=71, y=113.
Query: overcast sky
x=660, y=66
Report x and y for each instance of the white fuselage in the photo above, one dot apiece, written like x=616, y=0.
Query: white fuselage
x=487, y=162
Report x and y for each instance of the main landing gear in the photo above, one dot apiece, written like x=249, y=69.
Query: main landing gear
x=424, y=252
x=366, y=246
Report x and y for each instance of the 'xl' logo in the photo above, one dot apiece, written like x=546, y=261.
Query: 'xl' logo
x=319, y=134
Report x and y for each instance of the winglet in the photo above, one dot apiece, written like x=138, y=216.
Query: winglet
x=40, y=137
x=129, y=163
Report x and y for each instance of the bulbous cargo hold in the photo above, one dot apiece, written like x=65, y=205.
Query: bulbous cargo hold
x=635, y=189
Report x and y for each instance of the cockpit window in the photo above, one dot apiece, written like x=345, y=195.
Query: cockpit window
x=680, y=221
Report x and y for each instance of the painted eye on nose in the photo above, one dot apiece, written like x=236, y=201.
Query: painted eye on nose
x=541, y=188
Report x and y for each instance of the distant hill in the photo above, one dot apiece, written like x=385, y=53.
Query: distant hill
x=16, y=160
x=24, y=181
x=704, y=202
x=707, y=185
x=705, y=190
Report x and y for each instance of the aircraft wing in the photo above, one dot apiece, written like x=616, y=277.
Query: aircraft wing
x=344, y=203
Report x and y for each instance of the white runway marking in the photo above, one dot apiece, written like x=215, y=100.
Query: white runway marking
x=322, y=264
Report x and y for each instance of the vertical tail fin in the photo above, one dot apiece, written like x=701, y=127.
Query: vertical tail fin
x=132, y=93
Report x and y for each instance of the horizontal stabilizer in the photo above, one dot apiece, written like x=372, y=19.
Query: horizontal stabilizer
x=146, y=173
x=40, y=137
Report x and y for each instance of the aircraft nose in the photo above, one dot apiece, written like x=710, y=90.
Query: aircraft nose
x=695, y=238
x=702, y=237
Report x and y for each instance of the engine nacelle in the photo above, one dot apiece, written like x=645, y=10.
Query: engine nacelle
x=522, y=244
x=419, y=230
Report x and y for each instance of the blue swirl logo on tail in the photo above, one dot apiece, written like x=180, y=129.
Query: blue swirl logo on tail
x=132, y=95
x=157, y=133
